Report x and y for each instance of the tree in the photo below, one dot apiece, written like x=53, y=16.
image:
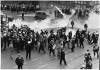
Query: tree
x=85, y=26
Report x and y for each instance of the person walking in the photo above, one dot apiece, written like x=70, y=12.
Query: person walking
x=67, y=41
x=96, y=50
x=19, y=61
x=28, y=50
x=41, y=47
x=62, y=57
x=11, y=49
x=52, y=47
x=73, y=44
x=81, y=41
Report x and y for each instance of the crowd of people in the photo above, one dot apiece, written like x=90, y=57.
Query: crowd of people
x=17, y=7
x=26, y=39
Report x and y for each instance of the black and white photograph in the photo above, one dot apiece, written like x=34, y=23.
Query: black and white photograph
x=50, y=34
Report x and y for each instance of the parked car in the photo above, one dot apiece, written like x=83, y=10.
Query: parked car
x=40, y=15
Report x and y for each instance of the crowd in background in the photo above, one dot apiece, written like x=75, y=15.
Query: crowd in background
x=20, y=7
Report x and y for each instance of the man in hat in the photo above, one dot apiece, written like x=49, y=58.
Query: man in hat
x=19, y=61
x=62, y=57
x=28, y=50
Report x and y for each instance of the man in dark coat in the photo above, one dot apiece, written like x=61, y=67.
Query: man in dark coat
x=1, y=42
x=28, y=50
x=77, y=37
x=93, y=38
x=73, y=44
x=72, y=23
x=19, y=61
x=62, y=56
x=18, y=45
x=70, y=35
x=22, y=15
x=64, y=38
x=41, y=46
x=81, y=41
x=96, y=50
x=89, y=37
x=5, y=41
x=22, y=44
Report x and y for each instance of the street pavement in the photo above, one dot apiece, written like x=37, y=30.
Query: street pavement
x=45, y=61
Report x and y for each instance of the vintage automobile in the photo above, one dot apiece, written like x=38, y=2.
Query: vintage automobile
x=40, y=15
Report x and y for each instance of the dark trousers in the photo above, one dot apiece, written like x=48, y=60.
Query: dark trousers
x=41, y=48
x=5, y=45
x=1, y=44
x=81, y=44
x=72, y=48
x=28, y=53
x=96, y=52
x=51, y=50
x=63, y=59
x=20, y=66
x=64, y=44
x=22, y=46
x=18, y=47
